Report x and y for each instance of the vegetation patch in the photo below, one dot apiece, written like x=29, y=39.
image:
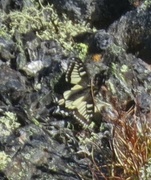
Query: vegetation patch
x=47, y=25
x=4, y=160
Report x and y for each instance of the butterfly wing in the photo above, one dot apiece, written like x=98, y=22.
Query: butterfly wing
x=78, y=98
x=76, y=72
x=84, y=113
x=80, y=102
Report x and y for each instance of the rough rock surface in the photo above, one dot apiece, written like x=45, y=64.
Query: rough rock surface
x=36, y=143
x=132, y=32
x=100, y=13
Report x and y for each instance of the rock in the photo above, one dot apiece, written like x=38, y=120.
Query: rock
x=6, y=49
x=36, y=143
x=12, y=85
x=132, y=32
x=100, y=13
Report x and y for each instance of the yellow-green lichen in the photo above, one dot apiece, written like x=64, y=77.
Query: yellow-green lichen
x=118, y=74
x=9, y=120
x=111, y=86
x=124, y=68
x=4, y=160
x=82, y=50
x=116, y=50
x=46, y=24
x=36, y=122
x=146, y=4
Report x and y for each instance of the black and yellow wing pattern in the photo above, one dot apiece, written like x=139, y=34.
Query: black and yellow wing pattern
x=78, y=99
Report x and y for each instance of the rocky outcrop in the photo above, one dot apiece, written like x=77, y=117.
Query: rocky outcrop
x=35, y=142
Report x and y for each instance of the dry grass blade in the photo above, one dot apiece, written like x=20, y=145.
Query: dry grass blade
x=131, y=147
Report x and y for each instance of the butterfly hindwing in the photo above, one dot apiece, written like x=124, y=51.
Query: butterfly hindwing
x=84, y=113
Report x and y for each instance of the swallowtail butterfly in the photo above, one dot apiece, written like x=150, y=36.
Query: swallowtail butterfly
x=80, y=99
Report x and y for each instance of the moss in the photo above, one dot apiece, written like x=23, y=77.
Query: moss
x=4, y=160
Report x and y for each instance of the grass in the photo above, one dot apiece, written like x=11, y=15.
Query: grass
x=131, y=146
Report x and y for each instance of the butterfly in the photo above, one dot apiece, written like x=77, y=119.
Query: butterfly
x=80, y=98
x=84, y=99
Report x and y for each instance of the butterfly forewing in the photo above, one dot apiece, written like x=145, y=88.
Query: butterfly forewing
x=75, y=72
